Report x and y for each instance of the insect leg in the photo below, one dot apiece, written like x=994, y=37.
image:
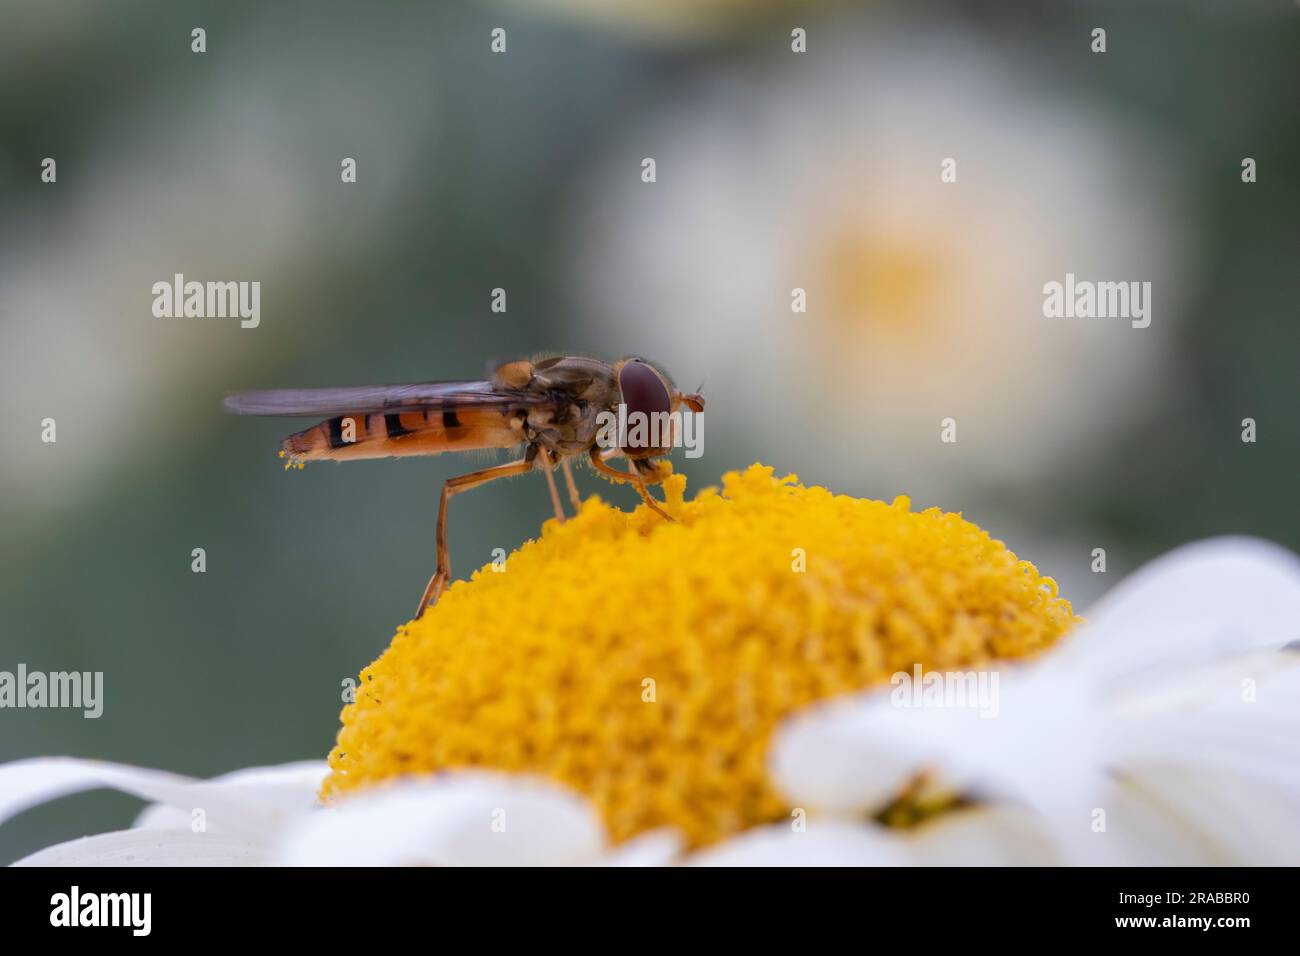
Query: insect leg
x=633, y=476
x=638, y=480
x=598, y=462
x=450, y=488
x=574, y=497
x=548, y=469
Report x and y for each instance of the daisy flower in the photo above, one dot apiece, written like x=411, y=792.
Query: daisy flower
x=721, y=689
x=800, y=243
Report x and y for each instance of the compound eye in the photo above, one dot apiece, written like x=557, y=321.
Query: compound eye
x=648, y=405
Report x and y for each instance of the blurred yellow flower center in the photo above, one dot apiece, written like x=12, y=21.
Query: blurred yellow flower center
x=646, y=663
x=879, y=287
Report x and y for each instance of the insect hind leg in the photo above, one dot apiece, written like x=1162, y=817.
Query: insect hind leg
x=450, y=488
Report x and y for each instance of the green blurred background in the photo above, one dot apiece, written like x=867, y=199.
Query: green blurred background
x=522, y=171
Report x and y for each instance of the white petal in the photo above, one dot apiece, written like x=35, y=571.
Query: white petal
x=1219, y=759
x=466, y=818
x=27, y=783
x=985, y=835
x=1202, y=601
x=831, y=759
x=1241, y=716
x=858, y=754
x=153, y=847
x=1181, y=817
x=656, y=848
x=822, y=843
x=1141, y=831
x=233, y=810
x=290, y=788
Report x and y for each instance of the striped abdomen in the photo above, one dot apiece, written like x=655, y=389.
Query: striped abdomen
x=431, y=432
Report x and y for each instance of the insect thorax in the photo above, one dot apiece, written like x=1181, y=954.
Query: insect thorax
x=579, y=389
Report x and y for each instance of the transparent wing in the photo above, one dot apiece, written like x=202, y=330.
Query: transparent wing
x=386, y=399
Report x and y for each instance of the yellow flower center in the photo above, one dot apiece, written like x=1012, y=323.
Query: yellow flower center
x=884, y=288
x=645, y=663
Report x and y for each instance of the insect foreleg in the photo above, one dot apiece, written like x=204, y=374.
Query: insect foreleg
x=632, y=475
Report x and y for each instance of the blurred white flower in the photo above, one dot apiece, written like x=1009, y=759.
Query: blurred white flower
x=822, y=172
x=1175, y=712
x=663, y=19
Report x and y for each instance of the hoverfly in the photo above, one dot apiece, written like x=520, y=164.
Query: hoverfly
x=553, y=407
